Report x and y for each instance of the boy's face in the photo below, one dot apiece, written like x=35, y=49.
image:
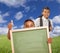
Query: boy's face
x=28, y=24
x=46, y=13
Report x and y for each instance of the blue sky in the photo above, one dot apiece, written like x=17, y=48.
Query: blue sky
x=20, y=10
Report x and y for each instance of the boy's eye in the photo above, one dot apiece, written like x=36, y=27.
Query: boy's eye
x=45, y=11
x=27, y=26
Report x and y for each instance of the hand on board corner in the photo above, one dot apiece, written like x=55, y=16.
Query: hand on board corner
x=49, y=40
x=9, y=28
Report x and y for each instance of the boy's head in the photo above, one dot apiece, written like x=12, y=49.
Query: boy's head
x=46, y=12
x=29, y=23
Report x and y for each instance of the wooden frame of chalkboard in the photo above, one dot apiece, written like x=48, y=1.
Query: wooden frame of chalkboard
x=29, y=29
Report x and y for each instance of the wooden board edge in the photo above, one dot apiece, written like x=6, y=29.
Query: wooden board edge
x=49, y=44
x=16, y=30
x=12, y=45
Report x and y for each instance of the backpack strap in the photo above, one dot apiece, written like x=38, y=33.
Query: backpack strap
x=41, y=22
x=49, y=24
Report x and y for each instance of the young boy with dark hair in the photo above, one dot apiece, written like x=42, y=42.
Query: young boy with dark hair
x=29, y=23
x=44, y=20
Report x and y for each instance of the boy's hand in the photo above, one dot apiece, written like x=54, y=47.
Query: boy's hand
x=10, y=26
x=49, y=40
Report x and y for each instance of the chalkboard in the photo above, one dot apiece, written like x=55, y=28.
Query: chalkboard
x=30, y=40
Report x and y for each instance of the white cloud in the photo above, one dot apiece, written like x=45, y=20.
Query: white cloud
x=18, y=27
x=19, y=15
x=14, y=3
x=3, y=30
x=56, y=29
x=33, y=9
x=6, y=14
x=56, y=19
x=22, y=26
x=14, y=27
x=27, y=9
x=32, y=18
x=1, y=19
x=58, y=1
x=55, y=32
x=2, y=16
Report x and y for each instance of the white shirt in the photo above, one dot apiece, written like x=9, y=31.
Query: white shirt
x=45, y=22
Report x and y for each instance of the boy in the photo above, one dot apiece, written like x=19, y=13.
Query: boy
x=44, y=21
x=27, y=24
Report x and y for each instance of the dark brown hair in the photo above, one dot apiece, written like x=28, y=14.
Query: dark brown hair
x=29, y=20
x=46, y=8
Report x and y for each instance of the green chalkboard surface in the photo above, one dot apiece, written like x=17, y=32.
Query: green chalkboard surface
x=30, y=41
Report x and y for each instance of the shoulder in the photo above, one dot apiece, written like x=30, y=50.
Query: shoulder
x=39, y=17
x=37, y=20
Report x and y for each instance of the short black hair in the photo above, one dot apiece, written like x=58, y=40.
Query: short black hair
x=46, y=8
x=28, y=20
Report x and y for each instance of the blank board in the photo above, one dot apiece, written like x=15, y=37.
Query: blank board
x=30, y=40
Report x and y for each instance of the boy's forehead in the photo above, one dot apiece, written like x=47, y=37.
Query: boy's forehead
x=46, y=10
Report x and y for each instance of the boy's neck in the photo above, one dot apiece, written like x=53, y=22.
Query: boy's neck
x=44, y=17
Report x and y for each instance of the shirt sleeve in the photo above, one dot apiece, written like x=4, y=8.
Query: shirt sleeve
x=37, y=22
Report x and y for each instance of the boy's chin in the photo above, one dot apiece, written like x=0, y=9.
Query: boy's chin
x=46, y=17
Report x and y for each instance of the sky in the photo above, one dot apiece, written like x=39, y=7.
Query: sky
x=20, y=10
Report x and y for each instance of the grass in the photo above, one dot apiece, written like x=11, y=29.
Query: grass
x=5, y=45
x=56, y=45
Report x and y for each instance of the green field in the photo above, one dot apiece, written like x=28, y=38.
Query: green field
x=5, y=45
x=56, y=45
